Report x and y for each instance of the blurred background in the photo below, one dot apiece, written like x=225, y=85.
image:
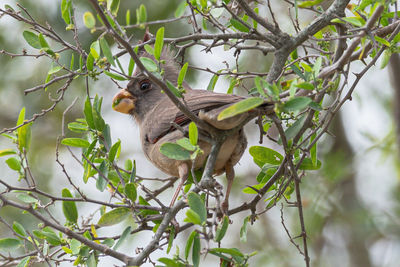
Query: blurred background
x=352, y=204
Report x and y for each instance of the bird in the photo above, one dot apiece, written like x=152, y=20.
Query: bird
x=157, y=117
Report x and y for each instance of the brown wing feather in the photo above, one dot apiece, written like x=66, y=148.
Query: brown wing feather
x=196, y=100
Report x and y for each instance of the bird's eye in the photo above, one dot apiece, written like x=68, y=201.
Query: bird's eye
x=144, y=85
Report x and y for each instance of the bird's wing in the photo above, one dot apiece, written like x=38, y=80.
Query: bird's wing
x=160, y=120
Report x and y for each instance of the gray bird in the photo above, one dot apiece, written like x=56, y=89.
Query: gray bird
x=155, y=114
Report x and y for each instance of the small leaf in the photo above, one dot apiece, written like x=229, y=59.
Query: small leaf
x=186, y=144
x=24, y=137
x=32, y=39
x=174, y=90
x=107, y=51
x=213, y=82
x=130, y=191
x=239, y=26
x=114, y=7
x=297, y=104
x=90, y=62
x=14, y=164
x=171, y=239
x=174, y=151
x=89, y=20
x=65, y=7
x=114, y=216
x=149, y=49
x=189, y=243
x=113, y=150
x=197, y=205
x=305, y=86
x=19, y=229
x=7, y=151
x=77, y=127
x=128, y=17
x=24, y=262
x=240, y=107
x=295, y=128
x=149, y=64
x=159, y=43
x=243, y=230
x=230, y=251
x=221, y=229
x=101, y=182
x=42, y=41
x=51, y=236
x=9, y=244
x=265, y=155
x=192, y=217
x=180, y=10
x=54, y=69
x=88, y=113
x=131, y=67
x=193, y=133
x=115, y=76
x=196, y=250
x=307, y=164
x=77, y=142
x=124, y=235
x=26, y=198
x=182, y=74
x=69, y=207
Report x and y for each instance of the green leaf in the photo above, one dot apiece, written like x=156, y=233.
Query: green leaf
x=149, y=49
x=107, y=51
x=240, y=107
x=89, y=20
x=101, y=182
x=90, y=62
x=128, y=17
x=130, y=191
x=113, y=150
x=54, y=69
x=149, y=64
x=243, y=230
x=32, y=39
x=174, y=90
x=317, y=66
x=89, y=114
x=114, y=7
x=221, y=229
x=297, y=104
x=77, y=127
x=196, y=250
x=19, y=229
x=295, y=128
x=124, y=235
x=131, y=67
x=298, y=71
x=307, y=164
x=212, y=83
x=265, y=155
x=186, y=144
x=141, y=14
x=51, y=236
x=77, y=142
x=9, y=244
x=305, y=86
x=189, y=243
x=182, y=74
x=239, y=26
x=115, y=76
x=385, y=58
x=69, y=207
x=197, y=205
x=26, y=198
x=174, y=151
x=96, y=111
x=24, y=262
x=42, y=41
x=13, y=163
x=192, y=217
x=170, y=262
x=114, y=216
x=158, y=46
x=7, y=151
x=65, y=8
x=230, y=251
x=171, y=239
x=193, y=133
x=180, y=10
x=24, y=137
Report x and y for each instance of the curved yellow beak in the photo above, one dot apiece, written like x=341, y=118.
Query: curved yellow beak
x=123, y=102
